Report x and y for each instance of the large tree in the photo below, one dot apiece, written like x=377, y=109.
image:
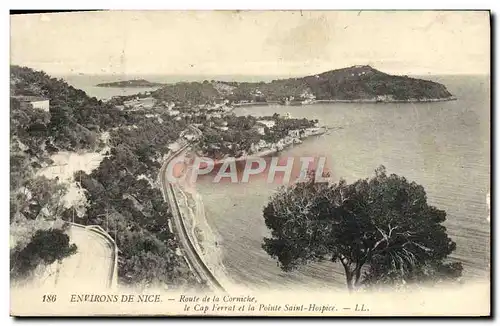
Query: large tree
x=380, y=229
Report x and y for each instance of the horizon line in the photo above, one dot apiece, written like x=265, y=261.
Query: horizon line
x=78, y=73
x=260, y=75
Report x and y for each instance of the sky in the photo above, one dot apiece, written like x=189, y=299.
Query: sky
x=252, y=42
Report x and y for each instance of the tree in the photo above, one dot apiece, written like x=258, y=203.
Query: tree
x=381, y=230
x=46, y=247
x=39, y=197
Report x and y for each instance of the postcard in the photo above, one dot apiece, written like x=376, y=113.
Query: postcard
x=250, y=163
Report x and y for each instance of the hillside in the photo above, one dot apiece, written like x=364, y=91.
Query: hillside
x=75, y=119
x=356, y=83
x=130, y=84
x=365, y=82
x=121, y=195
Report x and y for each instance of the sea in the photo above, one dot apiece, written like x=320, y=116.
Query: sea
x=444, y=146
x=88, y=82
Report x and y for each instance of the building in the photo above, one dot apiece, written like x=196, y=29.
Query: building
x=261, y=126
x=36, y=102
x=384, y=98
x=261, y=130
x=173, y=112
x=267, y=123
x=139, y=103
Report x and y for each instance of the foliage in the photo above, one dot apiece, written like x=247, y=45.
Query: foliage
x=242, y=133
x=382, y=226
x=75, y=118
x=130, y=83
x=38, y=197
x=193, y=93
x=283, y=126
x=121, y=99
x=29, y=127
x=148, y=260
x=364, y=82
x=121, y=194
x=46, y=247
x=132, y=209
x=235, y=141
x=352, y=83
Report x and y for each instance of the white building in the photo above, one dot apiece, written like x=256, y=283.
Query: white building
x=267, y=123
x=260, y=130
x=173, y=112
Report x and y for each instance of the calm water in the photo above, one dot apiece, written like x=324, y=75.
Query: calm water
x=443, y=146
x=88, y=82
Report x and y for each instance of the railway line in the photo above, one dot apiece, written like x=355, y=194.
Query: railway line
x=199, y=267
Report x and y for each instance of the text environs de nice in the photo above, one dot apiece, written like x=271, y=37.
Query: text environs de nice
x=229, y=171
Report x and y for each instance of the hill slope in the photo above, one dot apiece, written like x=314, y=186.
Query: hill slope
x=121, y=194
x=356, y=83
x=365, y=82
x=130, y=84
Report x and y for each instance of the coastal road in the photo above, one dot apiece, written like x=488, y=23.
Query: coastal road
x=198, y=266
x=92, y=266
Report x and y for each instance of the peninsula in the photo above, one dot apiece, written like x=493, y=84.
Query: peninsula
x=130, y=84
x=360, y=83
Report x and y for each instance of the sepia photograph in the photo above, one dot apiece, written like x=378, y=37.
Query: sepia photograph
x=250, y=163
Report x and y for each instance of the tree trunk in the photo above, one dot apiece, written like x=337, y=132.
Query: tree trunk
x=348, y=275
x=357, y=273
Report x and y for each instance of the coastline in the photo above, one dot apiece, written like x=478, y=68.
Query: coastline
x=271, y=151
x=206, y=242
x=441, y=99
x=115, y=85
x=371, y=100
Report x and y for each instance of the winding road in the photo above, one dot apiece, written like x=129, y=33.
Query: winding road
x=93, y=265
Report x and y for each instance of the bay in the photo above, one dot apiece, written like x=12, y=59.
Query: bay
x=445, y=146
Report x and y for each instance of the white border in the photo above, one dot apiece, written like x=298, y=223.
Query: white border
x=179, y=5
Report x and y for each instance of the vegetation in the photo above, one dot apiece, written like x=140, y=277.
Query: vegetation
x=75, y=118
x=348, y=84
x=124, y=199
x=241, y=132
x=130, y=83
x=120, y=100
x=283, y=126
x=364, y=82
x=188, y=94
x=381, y=230
x=121, y=194
x=35, y=201
x=45, y=247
